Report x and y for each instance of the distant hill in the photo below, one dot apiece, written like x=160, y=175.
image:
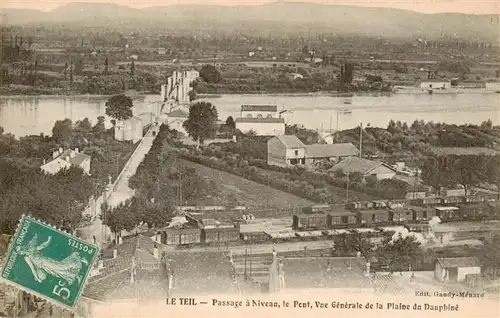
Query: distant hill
x=276, y=18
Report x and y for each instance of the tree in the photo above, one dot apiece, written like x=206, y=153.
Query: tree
x=79, y=66
x=202, y=122
x=210, y=74
x=132, y=68
x=106, y=64
x=371, y=181
x=62, y=132
x=71, y=73
x=352, y=243
x=99, y=128
x=119, y=107
x=192, y=95
x=401, y=251
x=346, y=75
x=119, y=218
x=230, y=123
x=65, y=71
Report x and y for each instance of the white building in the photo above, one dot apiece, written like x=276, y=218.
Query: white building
x=493, y=86
x=178, y=86
x=262, y=119
x=64, y=159
x=455, y=270
x=435, y=84
x=285, y=150
x=130, y=129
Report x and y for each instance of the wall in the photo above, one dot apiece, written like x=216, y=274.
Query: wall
x=383, y=172
x=276, y=153
x=462, y=271
x=435, y=85
x=493, y=86
x=262, y=129
x=255, y=114
x=439, y=272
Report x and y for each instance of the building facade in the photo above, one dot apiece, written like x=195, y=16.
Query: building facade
x=262, y=126
x=365, y=167
x=435, y=84
x=329, y=152
x=129, y=130
x=64, y=159
x=456, y=269
x=285, y=150
x=493, y=86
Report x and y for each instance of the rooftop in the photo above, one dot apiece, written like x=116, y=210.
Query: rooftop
x=355, y=164
x=178, y=113
x=459, y=262
x=72, y=157
x=435, y=80
x=463, y=151
x=332, y=150
x=290, y=141
x=259, y=120
x=325, y=272
x=201, y=273
x=262, y=108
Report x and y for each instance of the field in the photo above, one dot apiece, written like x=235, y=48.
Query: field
x=249, y=193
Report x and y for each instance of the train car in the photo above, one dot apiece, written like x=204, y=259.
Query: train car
x=226, y=233
x=254, y=236
x=447, y=213
x=369, y=218
x=474, y=212
x=494, y=208
x=181, y=235
x=429, y=201
x=340, y=218
x=473, y=199
x=452, y=200
x=315, y=209
x=309, y=221
x=421, y=214
x=400, y=215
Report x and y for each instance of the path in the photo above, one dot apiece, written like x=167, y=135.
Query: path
x=120, y=191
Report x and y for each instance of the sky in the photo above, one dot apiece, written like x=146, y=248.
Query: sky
x=424, y=6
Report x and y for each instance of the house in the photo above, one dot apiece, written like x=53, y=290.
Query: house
x=422, y=213
x=161, y=51
x=285, y=150
x=254, y=236
x=365, y=167
x=264, y=120
x=261, y=126
x=63, y=159
x=129, y=130
x=330, y=152
x=295, y=76
x=400, y=215
x=134, y=57
x=447, y=213
x=316, y=274
x=435, y=84
x=493, y=86
x=456, y=269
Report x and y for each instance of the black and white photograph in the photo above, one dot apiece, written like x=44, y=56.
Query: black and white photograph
x=233, y=158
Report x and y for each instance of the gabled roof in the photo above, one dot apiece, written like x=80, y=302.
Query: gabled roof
x=355, y=164
x=201, y=273
x=455, y=262
x=325, y=272
x=332, y=150
x=256, y=108
x=290, y=141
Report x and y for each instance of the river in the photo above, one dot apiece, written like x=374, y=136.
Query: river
x=27, y=115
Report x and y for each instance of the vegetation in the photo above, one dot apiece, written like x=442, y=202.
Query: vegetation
x=202, y=122
x=57, y=199
x=119, y=107
x=210, y=74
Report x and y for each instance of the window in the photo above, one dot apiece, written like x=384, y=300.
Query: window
x=249, y=116
x=374, y=218
x=296, y=152
x=430, y=85
x=259, y=116
x=269, y=116
x=345, y=220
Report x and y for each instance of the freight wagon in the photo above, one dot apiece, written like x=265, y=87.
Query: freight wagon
x=369, y=218
x=341, y=219
x=309, y=221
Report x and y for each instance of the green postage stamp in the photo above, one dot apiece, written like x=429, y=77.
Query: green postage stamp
x=48, y=263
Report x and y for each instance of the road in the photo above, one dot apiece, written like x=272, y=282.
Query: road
x=120, y=192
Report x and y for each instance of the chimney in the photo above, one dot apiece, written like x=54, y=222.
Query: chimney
x=155, y=251
x=115, y=253
x=44, y=161
x=77, y=150
x=367, y=269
